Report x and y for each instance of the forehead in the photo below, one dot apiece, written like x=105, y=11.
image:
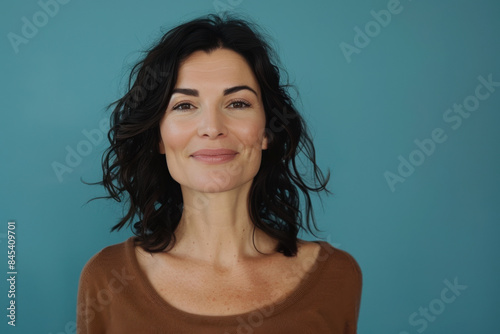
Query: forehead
x=219, y=66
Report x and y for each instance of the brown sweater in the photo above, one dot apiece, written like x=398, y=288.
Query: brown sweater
x=114, y=296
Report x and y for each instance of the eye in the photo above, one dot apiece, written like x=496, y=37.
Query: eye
x=183, y=106
x=239, y=104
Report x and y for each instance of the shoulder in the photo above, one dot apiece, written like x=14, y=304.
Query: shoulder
x=332, y=261
x=340, y=257
x=108, y=272
x=340, y=278
x=339, y=264
x=325, y=251
x=107, y=261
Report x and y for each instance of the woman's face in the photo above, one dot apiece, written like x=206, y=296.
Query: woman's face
x=212, y=132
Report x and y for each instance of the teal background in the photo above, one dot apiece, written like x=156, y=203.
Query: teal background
x=441, y=223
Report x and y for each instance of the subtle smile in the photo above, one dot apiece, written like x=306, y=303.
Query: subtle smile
x=214, y=156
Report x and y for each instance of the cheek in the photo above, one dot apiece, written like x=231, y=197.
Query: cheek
x=172, y=143
x=252, y=134
x=173, y=136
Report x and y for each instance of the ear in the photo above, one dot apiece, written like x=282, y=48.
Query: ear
x=161, y=147
x=264, y=141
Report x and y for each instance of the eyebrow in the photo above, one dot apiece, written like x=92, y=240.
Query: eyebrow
x=227, y=91
x=235, y=89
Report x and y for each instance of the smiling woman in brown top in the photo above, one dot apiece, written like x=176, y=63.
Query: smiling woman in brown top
x=204, y=147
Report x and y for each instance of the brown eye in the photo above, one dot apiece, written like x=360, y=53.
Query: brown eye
x=239, y=105
x=183, y=106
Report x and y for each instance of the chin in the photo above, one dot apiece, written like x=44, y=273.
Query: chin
x=213, y=185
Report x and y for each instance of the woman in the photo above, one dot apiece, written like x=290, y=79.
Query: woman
x=204, y=146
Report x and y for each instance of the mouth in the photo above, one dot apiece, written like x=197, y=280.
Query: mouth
x=214, y=155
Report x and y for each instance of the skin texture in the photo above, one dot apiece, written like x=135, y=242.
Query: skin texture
x=215, y=225
x=214, y=235
x=213, y=120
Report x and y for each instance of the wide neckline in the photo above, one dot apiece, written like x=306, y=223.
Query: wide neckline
x=307, y=282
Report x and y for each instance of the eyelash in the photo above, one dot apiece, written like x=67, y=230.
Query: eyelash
x=244, y=103
x=176, y=107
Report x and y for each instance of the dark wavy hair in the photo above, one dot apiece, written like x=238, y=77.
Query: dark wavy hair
x=135, y=171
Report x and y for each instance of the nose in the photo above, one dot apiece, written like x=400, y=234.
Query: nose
x=212, y=124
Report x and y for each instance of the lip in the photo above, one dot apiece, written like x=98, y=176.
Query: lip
x=214, y=156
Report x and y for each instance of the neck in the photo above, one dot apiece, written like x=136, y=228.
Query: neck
x=216, y=229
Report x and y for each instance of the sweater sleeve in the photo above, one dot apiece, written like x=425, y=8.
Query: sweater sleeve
x=338, y=292
x=355, y=282
x=91, y=294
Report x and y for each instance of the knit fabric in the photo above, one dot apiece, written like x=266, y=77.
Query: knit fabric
x=115, y=296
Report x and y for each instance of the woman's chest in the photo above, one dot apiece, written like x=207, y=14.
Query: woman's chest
x=203, y=291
